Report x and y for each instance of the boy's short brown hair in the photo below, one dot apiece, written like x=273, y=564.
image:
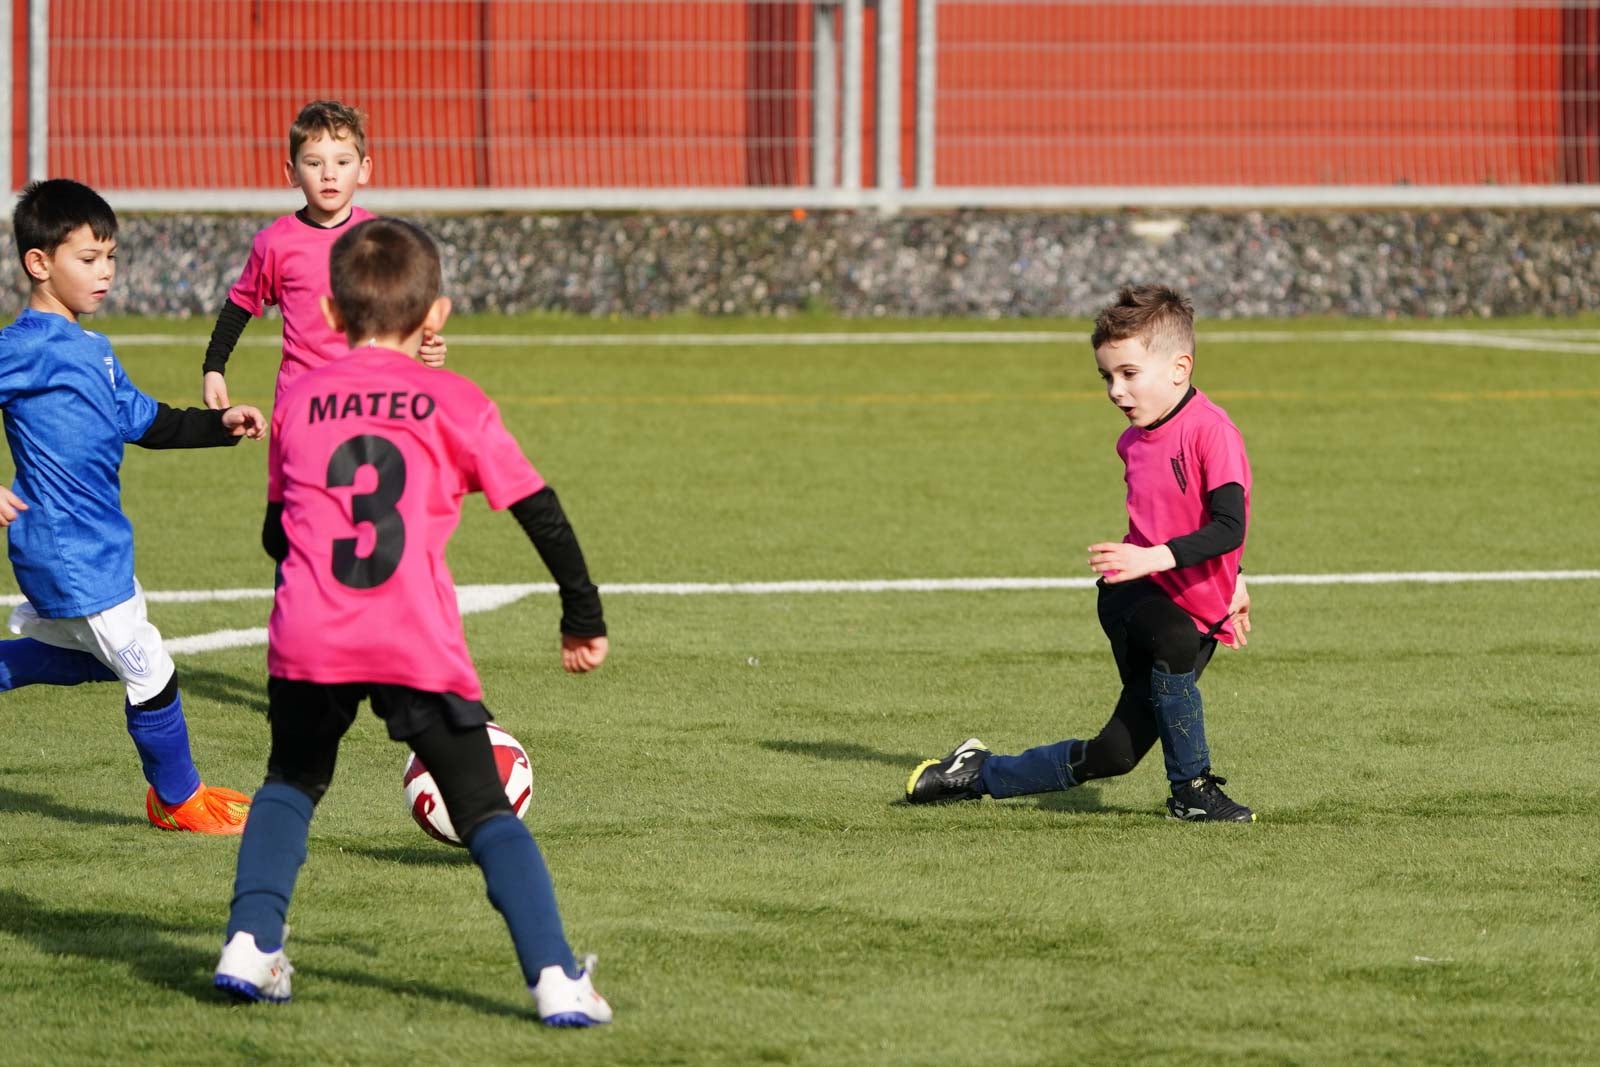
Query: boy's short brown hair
x=1161, y=317
x=330, y=117
x=385, y=275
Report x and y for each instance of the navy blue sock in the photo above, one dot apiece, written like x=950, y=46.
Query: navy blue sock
x=1045, y=769
x=270, y=855
x=1181, y=724
x=162, y=738
x=29, y=662
x=520, y=889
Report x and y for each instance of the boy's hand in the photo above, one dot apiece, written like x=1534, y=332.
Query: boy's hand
x=10, y=504
x=214, y=389
x=433, y=351
x=245, y=421
x=1239, y=614
x=1122, y=562
x=579, y=655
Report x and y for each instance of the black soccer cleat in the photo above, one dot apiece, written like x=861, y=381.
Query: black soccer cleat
x=955, y=777
x=1201, y=799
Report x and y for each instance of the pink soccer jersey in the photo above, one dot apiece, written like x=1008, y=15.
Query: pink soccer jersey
x=1171, y=472
x=370, y=456
x=288, y=266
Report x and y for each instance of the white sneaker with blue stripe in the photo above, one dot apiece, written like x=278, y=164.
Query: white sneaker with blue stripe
x=564, y=1001
x=246, y=973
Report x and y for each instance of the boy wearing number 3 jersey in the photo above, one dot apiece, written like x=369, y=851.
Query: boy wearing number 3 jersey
x=370, y=457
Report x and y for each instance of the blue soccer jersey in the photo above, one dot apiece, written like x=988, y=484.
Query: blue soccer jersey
x=69, y=409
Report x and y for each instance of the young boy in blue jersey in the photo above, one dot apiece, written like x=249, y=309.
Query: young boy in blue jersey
x=69, y=409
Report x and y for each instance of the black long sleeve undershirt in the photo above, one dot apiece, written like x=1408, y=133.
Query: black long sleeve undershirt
x=231, y=321
x=1223, y=534
x=186, y=428
x=546, y=525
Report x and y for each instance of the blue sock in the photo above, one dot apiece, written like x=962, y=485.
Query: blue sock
x=520, y=889
x=29, y=662
x=1181, y=724
x=1045, y=769
x=270, y=855
x=162, y=738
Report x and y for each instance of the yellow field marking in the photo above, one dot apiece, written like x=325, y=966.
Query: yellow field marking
x=770, y=400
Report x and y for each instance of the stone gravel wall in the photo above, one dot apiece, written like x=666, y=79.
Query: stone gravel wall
x=982, y=264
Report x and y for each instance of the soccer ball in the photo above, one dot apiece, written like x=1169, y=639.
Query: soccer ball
x=427, y=807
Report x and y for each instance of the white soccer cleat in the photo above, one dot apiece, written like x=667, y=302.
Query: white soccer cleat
x=246, y=973
x=566, y=1001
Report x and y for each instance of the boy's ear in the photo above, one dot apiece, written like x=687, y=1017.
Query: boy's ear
x=1182, y=367
x=437, y=314
x=288, y=173
x=330, y=315
x=364, y=174
x=37, y=264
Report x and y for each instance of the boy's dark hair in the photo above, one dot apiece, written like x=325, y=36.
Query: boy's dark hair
x=1160, y=317
x=48, y=211
x=385, y=275
x=328, y=117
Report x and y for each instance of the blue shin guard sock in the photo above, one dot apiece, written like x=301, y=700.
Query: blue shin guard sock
x=25, y=661
x=270, y=855
x=520, y=889
x=1181, y=724
x=1045, y=769
x=162, y=738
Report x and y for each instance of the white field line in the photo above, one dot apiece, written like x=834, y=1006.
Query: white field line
x=1580, y=342
x=478, y=598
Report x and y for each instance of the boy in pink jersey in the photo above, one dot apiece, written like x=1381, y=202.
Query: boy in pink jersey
x=288, y=264
x=1169, y=591
x=369, y=459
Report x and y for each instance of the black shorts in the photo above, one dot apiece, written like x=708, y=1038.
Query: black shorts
x=319, y=709
x=309, y=719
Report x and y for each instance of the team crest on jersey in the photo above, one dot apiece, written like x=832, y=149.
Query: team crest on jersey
x=133, y=657
x=1180, y=473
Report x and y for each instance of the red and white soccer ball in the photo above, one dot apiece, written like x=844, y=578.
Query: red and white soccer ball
x=427, y=807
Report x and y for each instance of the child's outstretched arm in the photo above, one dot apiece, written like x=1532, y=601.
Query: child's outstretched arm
x=584, y=644
x=433, y=349
x=201, y=427
x=231, y=321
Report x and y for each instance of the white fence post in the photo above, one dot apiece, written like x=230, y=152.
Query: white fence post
x=927, y=89
x=38, y=89
x=824, y=95
x=850, y=139
x=888, y=124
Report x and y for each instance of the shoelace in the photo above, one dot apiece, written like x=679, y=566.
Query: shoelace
x=1210, y=790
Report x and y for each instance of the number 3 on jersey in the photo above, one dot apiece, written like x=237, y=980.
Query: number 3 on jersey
x=376, y=507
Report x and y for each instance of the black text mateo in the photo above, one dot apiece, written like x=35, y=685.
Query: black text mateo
x=399, y=404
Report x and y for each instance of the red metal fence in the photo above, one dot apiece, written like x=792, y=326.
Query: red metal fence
x=178, y=94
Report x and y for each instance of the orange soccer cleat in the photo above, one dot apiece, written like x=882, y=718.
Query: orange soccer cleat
x=208, y=811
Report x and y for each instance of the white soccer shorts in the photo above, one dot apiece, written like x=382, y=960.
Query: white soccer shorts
x=121, y=637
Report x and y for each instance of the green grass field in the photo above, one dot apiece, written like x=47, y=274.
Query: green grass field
x=720, y=803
